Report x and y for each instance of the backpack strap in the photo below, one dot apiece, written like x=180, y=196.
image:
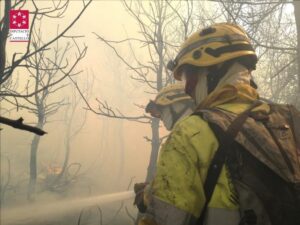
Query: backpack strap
x=225, y=140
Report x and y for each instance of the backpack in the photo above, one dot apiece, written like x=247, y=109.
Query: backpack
x=262, y=153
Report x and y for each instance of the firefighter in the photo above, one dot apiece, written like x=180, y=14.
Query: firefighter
x=171, y=104
x=215, y=63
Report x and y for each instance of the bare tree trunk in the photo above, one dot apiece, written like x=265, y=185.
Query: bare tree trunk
x=153, y=157
x=69, y=119
x=121, y=148
x=155, y=122
x=4, y=185
x=119, y=130
x=154, y=150
x=297, y=19
x=3, y=37
x=71, y=132
x=33, y=164
x=67, y=149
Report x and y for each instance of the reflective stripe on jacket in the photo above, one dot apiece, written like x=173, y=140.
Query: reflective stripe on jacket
x=176, y=196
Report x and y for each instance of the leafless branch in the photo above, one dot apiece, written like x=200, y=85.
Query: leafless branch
x=105, y=110
x=130, y=183
x=147, y=139
x=163, y=138
x=15, y=63
x=66, y=74
x=129, y=215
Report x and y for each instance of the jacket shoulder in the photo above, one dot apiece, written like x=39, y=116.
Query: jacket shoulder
x=191, y=126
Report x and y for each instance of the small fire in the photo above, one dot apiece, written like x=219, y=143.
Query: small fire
x=54, y=170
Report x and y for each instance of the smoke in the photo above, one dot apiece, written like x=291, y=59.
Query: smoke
x=36, y=212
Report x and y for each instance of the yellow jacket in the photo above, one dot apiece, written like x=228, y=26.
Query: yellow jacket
x=176, y=195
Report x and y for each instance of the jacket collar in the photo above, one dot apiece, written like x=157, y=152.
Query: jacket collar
x=235, y=98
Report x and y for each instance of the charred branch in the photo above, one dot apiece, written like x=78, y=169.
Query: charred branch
x=18, y=124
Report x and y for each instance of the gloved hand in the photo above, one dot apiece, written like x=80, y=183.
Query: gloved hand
x=139, y=197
